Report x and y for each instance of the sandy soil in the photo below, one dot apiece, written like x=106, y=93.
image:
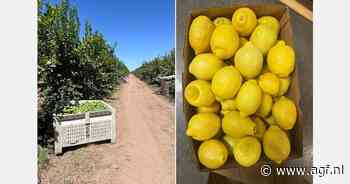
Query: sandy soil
x=144, y=150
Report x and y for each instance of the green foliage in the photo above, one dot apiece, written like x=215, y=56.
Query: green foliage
x=84, y=107
x=71, y=68
x=42, y=156
x=158, y=67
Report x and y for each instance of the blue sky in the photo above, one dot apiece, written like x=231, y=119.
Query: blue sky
x=142, y=29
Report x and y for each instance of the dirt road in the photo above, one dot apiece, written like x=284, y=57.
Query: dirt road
x=144, y=150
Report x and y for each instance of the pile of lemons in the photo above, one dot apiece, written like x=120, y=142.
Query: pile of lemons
x=242, y=74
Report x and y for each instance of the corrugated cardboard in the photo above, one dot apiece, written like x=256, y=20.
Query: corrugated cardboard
x=286, y=33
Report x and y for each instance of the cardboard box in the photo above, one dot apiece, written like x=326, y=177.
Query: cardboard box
x=286, y=33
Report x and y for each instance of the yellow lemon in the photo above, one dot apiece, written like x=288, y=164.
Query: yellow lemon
x=203, y=126
x=281, y=59
x=214, y=108
x=200, y=32
x=249, y=98
x=236, y=126
x=231, y=142
x=270, y=21
x=270, y=120
x=229, y=105
x=249, y=60
x=260, y=127
x=204, y=66
x=284, y=113
x=276, y=144
x=266, y=106
x=269, y=83
x=219, y=99
x=247, y=151
x=263, y=38
x=224, y=41
x=284, y=85
x=226, y=82
x=198, y=93
x=222, y=20
x=212, y=154
x=244, y=21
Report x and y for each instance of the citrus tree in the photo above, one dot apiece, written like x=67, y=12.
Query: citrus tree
x=71, y=67
x=160, y=66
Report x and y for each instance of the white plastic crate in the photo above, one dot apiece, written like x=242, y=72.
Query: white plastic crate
x=82, y=128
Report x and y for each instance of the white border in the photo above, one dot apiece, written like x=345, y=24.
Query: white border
x=18, y=88
x=331, y=88
x=176, y=86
